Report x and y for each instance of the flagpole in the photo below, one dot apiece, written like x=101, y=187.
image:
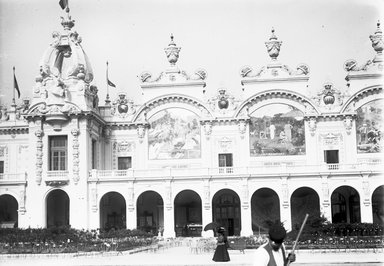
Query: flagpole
x=14, y=87
x=107, y=101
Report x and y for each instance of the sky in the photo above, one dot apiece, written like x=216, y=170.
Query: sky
x=220, y=36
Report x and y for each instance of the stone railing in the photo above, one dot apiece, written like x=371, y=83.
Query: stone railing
x=14, y=177
x=223, y=172
x=54, y=178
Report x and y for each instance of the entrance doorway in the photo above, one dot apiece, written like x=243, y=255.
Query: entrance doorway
x=8, y=211
x=57, y=208
x=188, y=214
x=226, y=211
x=112, y=211
x=345, y=201
x=150, y=212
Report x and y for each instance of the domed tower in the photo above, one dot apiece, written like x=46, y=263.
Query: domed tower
x=65, y=130
x=63, y=85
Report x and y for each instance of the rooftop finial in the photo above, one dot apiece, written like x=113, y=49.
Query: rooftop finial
x=378, y=30
x=172, y=52
x=172, y=43
x=273, y=36
x=273, y=46
x=67, y=23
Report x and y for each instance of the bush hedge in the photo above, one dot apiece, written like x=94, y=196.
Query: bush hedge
x=66, y=239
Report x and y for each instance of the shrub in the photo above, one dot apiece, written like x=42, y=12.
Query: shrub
x=68, y=240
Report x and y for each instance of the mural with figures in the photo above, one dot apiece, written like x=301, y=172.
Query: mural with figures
x=174, y=134
x=369, y=123
x=277, y=129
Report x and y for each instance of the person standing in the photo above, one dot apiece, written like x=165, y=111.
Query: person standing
x=272, y=253
x=221, y=251
x=272, y=129
x=288, y=131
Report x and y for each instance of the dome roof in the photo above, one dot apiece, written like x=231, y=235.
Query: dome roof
x=65, y=57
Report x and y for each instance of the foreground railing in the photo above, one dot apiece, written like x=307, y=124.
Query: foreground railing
x=231, y=171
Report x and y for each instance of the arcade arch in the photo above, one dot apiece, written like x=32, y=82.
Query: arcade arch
x=304, y=200
x=150, y=212
x=265, y=209
x=188, y=213
x=112, y=211
x=8, y=210
x=226, y=211
x=57, y=206
x=345, y=202
x=378, y=205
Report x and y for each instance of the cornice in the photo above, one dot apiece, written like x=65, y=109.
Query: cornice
x=197, y=83
x=13, y=130
x=269, y=80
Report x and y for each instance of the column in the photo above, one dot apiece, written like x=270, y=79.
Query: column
x=365, y=201
x=169, y=216
x=94, y=215
x=207, y=210
x=325, y=199
x=285, y=210
x=131, y=210
x=246, y=216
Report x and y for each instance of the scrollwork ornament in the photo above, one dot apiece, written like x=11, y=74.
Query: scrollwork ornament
x=39, y=155
x=76, y=161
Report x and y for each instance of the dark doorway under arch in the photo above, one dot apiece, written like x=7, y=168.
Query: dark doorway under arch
x=345, y=202
x=226, y=211
x=188, y=214
x=150, y=212
x=265, y=209
x=378, y=205
x=112, y=211
x=57, y=208
x=304, y=200
x=8, y=211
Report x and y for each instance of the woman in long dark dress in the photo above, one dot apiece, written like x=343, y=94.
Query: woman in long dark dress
x=221, y=252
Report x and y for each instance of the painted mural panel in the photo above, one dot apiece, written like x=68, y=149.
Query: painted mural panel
x=369, y=127
x=174, y=134
x=277, y=129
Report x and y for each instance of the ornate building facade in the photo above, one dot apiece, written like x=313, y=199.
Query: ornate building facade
x=181, y=159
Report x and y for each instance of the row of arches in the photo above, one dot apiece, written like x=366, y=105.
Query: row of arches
x=226, y=209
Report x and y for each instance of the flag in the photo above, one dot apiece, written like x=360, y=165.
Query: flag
x=15, y=85
x=63, y=4
x=110, y=83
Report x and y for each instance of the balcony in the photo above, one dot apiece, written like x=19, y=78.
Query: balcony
x=230, y=172
x=56, y=178
x=14, y=178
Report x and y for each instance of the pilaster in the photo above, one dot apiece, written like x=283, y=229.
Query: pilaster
x=285, y=208
x=169, y=216
x=365, y=200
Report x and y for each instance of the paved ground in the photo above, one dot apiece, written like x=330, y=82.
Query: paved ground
x=183, y=256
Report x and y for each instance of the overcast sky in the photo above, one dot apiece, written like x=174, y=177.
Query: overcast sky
x=220, y=36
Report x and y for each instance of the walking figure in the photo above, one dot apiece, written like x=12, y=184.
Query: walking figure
x=221, y=251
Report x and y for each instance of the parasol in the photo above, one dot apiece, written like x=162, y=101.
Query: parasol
x=212, y=226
